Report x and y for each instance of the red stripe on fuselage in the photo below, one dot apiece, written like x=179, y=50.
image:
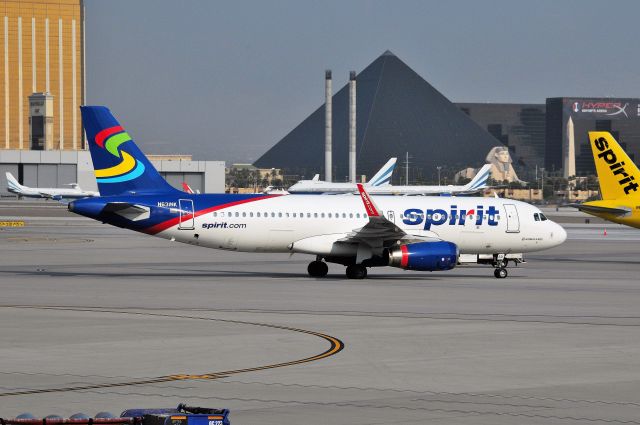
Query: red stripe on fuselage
x=176, y=220
x=106, y=133
x=405, y=256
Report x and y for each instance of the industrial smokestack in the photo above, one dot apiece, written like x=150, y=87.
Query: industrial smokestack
x=352, y=127
x=327, y=125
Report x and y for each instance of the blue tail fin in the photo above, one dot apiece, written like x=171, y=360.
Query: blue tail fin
x=120, y=167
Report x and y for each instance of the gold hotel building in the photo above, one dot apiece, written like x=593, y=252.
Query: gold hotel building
x=42, y=48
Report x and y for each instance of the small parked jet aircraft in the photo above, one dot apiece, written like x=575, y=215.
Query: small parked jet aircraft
x=47, y=192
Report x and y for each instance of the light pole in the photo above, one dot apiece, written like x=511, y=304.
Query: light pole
x=439, y=168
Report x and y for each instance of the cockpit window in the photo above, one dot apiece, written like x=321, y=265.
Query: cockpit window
x=536, y=217
x=543, y=217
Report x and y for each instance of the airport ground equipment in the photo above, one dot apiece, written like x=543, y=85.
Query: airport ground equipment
x=181, y=415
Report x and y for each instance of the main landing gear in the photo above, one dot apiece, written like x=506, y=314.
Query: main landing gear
x=317, y=269
x=356, y=271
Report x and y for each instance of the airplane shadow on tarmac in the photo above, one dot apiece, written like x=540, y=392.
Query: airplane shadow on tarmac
x=233, y=273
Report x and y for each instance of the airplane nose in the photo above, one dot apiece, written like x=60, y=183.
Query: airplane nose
x=559, y=234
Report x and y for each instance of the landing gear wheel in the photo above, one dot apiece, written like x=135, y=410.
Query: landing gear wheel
x=356, y=271
x=317, y=269
x=500, y=273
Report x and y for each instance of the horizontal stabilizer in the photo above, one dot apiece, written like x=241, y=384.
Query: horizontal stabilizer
x=601, y=210
x=127, y=210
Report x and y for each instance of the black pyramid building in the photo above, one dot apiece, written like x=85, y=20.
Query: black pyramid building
x=397, y=112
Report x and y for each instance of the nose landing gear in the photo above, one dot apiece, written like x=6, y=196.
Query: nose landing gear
x=500, y=273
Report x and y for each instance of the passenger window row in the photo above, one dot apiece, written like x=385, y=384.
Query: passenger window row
x=286, y=215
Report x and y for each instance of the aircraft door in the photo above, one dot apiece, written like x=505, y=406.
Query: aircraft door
x=513, y=221
x=186, y=214
x=391, y=216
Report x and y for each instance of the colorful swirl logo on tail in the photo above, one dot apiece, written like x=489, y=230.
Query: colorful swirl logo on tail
x=129, y=168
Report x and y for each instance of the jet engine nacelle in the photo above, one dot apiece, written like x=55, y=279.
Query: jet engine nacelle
x=424, y=256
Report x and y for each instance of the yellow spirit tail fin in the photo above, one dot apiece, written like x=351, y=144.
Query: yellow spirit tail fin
x=619, y=177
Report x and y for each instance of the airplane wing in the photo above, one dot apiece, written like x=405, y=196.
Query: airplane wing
x=378, y=229
x=379, y=232
x=600, y=210
x=371, y=239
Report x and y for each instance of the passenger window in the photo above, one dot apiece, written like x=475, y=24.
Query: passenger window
x=294, y=215
x=257, y=214
x=279, y=214
x=322, y=215
x=273, y=214
x=350, y=215
x=215, y=214
x=222, y=214
x=536, y=217
x=315, y=215
x=470, y=217
x=250, y=214
x=287, y=214
x=329, y=215
x=244, y=214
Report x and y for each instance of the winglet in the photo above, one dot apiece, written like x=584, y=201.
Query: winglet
x=372, y=209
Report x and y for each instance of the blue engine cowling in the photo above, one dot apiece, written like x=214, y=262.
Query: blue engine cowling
x=424, y=256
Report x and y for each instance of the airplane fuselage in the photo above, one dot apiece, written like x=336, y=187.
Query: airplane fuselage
x=263, y=223
x=49, y=192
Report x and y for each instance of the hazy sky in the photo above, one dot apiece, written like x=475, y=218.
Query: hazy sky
x=227, y=80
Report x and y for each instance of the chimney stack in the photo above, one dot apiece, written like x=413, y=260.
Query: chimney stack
x=327, y=125
x=352, y=127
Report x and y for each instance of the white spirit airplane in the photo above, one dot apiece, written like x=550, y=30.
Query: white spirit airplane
x=478, y=183
x=47, y=192
x=412, y=233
